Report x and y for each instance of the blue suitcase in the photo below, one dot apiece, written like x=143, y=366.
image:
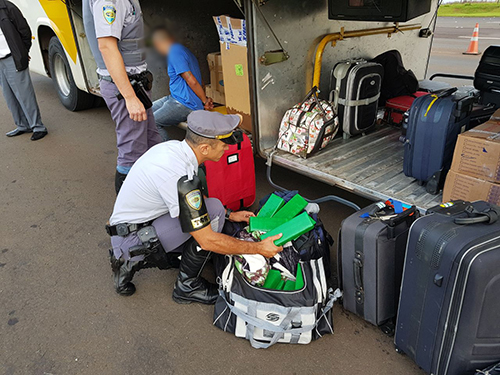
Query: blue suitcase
x=449, y=311
x=434, y=123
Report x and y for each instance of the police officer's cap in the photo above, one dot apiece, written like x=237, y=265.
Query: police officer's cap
x=215, y=125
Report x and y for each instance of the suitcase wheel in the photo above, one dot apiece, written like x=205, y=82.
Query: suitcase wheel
x=399, y=351
x=388, y=329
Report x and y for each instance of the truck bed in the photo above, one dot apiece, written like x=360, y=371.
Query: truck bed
x=370, y=165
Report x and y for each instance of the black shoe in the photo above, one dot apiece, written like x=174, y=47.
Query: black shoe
x=119, y=179
x=38, y=135
x=16, y=132
x=190, y=286
x=123, y=273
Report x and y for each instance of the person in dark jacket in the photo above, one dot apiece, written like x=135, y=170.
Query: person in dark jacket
x=18, y=91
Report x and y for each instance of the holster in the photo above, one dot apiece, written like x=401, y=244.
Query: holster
x=141, y=83
x=152, y=249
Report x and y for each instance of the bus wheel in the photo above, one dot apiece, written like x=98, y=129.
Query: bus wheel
x=71, y=96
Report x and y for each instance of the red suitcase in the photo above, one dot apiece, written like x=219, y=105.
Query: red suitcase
x=232, y=178
x=396, y=107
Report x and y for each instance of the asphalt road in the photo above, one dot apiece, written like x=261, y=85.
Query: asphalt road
x=58, y=310
x=452, y=37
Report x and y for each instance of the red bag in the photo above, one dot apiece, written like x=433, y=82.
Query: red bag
x=396, y=107
x=232, y=178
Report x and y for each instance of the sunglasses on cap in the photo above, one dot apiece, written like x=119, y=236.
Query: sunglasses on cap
x=232, y=138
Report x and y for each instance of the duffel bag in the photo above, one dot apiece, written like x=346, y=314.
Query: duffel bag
x=492, y=370
x=308, y=126
x=265, y=316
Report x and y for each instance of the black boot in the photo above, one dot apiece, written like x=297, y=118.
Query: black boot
x=123, y=273
x=190, y=286
x=119, y=178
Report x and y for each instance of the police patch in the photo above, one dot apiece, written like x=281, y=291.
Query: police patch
x=109, y=12
x=193, y=199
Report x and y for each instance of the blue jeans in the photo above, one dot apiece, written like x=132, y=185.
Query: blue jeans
x=168, y=111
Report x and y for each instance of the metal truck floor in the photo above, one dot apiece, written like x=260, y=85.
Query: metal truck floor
x=370, y=165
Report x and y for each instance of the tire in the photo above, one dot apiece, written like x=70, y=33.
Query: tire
x=69, y=94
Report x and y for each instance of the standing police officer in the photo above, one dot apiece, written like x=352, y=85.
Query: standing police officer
x=115, y=32
x=161, y=211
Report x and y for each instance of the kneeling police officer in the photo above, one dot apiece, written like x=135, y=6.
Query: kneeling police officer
x=161, y=213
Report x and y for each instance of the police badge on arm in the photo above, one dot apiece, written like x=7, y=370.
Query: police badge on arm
x=193, y=213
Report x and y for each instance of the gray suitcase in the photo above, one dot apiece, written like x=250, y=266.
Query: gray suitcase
x=370, y=261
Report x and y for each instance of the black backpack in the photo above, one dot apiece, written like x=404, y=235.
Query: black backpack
x=397, y=80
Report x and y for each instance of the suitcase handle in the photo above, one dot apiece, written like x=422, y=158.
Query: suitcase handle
x=445, y=92
x=407, y=215
x=475, y=217
x=358, y=278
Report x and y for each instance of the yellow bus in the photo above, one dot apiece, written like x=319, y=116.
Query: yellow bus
x=60, y=50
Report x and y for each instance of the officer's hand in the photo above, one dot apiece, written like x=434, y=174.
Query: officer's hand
x=136, y=109
x=268, y=248
x=241, y=216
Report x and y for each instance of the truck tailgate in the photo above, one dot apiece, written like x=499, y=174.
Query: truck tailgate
x=370, y=165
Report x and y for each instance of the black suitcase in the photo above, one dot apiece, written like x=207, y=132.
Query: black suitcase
x=370, y=262
x=434, y=123
x=487, y=76
x=355, y=89
x=449, y=311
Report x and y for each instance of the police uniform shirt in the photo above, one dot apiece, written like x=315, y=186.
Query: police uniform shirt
x=116, y=18
x=150, y=189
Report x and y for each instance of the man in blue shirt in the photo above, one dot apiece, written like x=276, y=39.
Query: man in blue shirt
x=186, y=92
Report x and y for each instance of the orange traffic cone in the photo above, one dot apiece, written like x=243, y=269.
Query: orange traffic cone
x=474, y=42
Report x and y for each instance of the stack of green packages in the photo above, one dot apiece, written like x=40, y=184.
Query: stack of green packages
x=276, y=217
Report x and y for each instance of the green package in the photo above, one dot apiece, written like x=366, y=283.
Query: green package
x=289, y=285
x=273, y=279
x=292, y=229
x=265, y=224
x=299, y=281
x=273, y=204
x=292, y=208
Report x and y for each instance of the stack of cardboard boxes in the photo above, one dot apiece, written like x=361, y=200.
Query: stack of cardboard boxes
x=230, y=85
x=216, y=88
x=475, y=172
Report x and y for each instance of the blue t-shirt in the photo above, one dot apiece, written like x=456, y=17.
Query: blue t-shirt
x=181, y=60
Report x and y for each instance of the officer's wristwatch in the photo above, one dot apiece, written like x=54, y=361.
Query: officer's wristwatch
x=228, y=213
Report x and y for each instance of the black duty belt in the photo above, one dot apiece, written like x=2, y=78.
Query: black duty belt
x=123, y=230
x=145, y=77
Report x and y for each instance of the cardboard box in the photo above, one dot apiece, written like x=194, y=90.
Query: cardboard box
x=467, y=188
x=233, y=42
x=216, y=75
x=215, y=95
x=477, y=152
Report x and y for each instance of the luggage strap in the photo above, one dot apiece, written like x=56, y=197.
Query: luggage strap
x=359, y=102
x=278, y=330
x=358, y=263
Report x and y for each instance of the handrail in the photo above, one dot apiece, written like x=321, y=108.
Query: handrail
x=446, y=75
x=352, y=34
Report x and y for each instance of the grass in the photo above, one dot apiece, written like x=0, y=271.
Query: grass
x=470, y=10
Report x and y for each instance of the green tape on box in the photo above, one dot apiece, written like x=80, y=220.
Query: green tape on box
x=292, y=208
x=273, y=204
x=292, y=229
x=265, y=224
